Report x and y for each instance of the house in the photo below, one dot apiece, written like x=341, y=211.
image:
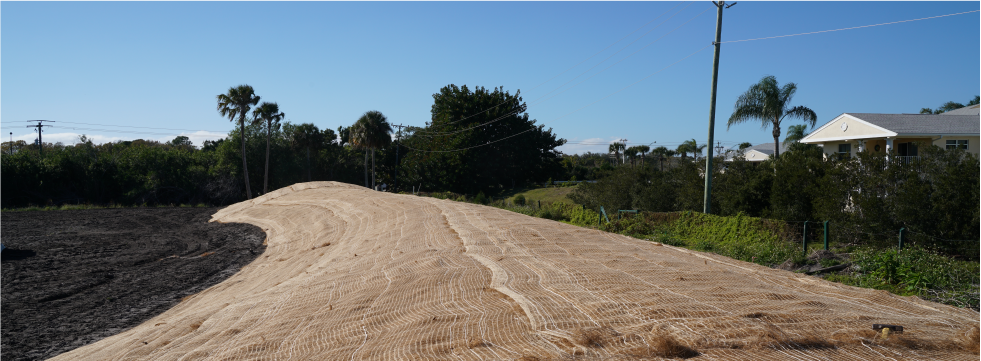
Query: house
x=898, y=134
x=760, y=152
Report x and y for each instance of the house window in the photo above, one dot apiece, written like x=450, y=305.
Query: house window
x=844, y=151
x=957, y=144
x=907, y=149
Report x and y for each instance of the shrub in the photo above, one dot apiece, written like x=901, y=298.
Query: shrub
x=480, y=198
x=519, y=199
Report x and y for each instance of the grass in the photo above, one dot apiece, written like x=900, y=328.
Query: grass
x=548, y=194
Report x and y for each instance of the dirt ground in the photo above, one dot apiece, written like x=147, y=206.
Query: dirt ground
x=70, y=278
x=353, y=274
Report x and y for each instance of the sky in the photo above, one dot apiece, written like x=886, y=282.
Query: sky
x=593, y=72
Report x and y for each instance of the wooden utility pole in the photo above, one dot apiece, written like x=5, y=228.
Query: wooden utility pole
x=707, y=208
x=39, y=130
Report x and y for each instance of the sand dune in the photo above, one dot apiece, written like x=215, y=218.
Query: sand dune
x=352, y=274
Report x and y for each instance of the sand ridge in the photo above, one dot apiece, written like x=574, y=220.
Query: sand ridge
x=352, y=274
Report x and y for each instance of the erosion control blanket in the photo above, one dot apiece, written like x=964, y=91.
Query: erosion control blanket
x=352, y=274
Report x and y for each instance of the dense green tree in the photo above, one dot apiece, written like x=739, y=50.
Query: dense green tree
x=269, y=113
x=632, y=153
x=236, y=103
x=769, y=103
x=370, y=132
x=479, y=140
x=305, y=136
x=643, y=149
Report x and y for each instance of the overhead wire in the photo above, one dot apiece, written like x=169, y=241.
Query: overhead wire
x=851, y=28
x=563, y=116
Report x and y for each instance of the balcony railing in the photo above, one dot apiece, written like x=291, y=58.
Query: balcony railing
x=906, y=159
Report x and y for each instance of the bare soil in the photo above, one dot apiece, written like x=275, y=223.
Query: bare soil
x=70, y=278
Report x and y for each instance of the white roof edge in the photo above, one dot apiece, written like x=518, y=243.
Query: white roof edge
x=893, y=135
x=809, y=140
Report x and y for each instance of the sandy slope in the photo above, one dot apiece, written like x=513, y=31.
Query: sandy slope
x=355, y=274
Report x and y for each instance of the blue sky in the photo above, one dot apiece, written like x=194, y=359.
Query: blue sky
x=161, y=64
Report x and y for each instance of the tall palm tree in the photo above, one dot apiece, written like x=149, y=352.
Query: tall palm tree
x=643, y=149
x=237, y=102
x=371, y=132
x=769, y=103
x=268, y=112
x=662, y=152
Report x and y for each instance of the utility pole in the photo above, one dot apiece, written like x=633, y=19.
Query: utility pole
x=39, y=130
x=11, y=150
x=707, y=208
x=398, y=138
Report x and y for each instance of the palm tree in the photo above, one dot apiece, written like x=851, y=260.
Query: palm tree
x=769, y=103
x=631, y=153
x=690, y=146
x=794, y=134
x=615, y=149
x=237, y=102
x=643, y=149
x=268, y=112
x=661, y=153
x=371, y=132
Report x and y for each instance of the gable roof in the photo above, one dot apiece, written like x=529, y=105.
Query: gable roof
x=767, y=148
x=908, y=124
x=968, y=110
x=875, y=125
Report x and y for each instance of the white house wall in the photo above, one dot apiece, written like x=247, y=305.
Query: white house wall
x=855, y=129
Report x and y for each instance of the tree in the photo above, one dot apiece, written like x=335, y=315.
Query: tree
x=179, y=141
x=479, y=140
x=632, y=153
x=643, y=149
x=745, y=145
x=370, y=133
x=661, y=153
x=305, y=136
x=237, y=102
x=948, y=106
x=692, y=146
x=268, y=112
x=769, y=103
x=795, y=133
x=615, y=149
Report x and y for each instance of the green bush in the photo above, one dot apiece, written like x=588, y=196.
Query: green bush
x=480, y=198
x=519, y=200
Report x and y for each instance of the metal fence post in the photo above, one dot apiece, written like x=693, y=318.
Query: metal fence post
x=804, y=242
x=901, y=236
x=825, y=235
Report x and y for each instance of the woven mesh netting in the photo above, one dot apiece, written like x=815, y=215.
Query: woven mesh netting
x=352, y=274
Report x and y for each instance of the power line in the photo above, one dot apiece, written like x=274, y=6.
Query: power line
x=563, y=116
x=133, y=126
x=855, y=27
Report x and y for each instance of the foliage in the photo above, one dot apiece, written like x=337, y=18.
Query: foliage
x=519, y=200
x=236, y=103
x=769, y=103
x=948, y=106
x=916, y=271
x=479, y=140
